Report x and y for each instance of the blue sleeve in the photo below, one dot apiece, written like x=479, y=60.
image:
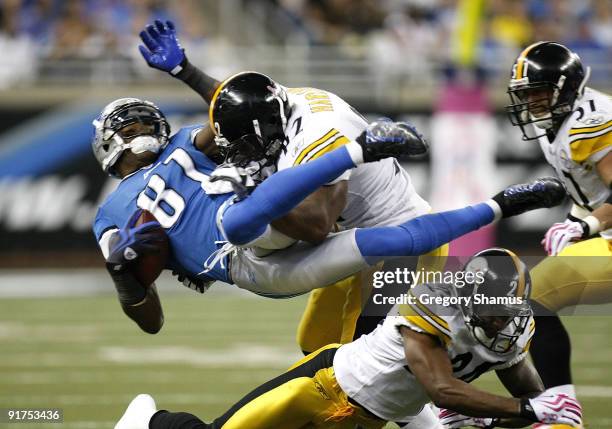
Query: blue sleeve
x=246, y=220
x=422, y=234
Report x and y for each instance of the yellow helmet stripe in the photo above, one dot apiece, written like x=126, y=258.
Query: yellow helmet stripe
x=520, y=61
x=520, y=289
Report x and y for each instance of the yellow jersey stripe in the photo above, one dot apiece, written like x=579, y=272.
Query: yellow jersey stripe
x=426, y=326
x=589, y=146
x=430, y=313
x=340, y=141
x=418, y=312
x=592, y=129
x=330, y=134
x=521, y=60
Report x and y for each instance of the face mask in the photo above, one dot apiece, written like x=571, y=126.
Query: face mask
x=543, y=122
x=142, y=144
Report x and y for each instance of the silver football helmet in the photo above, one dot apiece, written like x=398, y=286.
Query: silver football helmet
x=108, y=143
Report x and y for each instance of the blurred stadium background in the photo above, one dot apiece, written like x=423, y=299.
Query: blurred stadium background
x=443, y=64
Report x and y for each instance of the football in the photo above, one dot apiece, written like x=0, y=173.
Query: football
x=148, y=267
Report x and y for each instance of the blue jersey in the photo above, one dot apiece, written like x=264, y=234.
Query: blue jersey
x=173, y=189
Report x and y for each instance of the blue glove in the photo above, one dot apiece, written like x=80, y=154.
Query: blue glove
x=132, y=241
x=162, y=48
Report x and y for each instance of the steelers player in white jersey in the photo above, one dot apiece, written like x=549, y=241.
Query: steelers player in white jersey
x=424, y=351
x=263, y=126
x=573, y=125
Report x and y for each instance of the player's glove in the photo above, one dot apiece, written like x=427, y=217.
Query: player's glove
x=452, y=420
x=561, y=234
x=545, y=192
x=241, y=181
x=131, y=241
x=552, y=408
x=385, y=138
x=162, y=49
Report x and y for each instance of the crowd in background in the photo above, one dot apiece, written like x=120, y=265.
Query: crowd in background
x=386, y=32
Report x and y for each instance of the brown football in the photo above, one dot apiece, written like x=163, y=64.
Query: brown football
x=148, y=267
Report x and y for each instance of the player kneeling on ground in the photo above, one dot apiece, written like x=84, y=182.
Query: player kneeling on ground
x=419, y=354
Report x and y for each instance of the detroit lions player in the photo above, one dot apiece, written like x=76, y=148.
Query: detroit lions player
x=210, y=231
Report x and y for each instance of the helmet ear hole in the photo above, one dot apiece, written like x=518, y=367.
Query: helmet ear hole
x=105, y=147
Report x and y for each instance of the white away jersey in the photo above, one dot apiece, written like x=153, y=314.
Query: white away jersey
x=584, y=138
x=379, y=193
x=373, y=369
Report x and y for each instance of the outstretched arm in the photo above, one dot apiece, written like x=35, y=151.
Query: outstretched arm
x=429, y=363
x=162, y=50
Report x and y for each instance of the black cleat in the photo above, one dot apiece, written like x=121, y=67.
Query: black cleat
x=386, y=139
x=544, y=192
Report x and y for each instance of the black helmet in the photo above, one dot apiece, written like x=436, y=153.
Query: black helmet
x=546, y=80
x=248, y=114
x=499, y=310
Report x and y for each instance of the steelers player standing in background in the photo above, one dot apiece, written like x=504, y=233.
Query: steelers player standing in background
x=573, y=125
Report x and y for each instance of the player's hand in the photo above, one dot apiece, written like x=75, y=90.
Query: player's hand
x=560, y=235
x=241, y=181
x=385, y=138
x=162, y=49
x=552, y=408
x=131, y=241
x=452, y=420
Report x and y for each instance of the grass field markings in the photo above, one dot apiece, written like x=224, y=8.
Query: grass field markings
x=67, y=400
x=239, y=354
x=131, y=376
x=594, y=391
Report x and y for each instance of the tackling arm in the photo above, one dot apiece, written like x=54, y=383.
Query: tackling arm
x=314, y=218
x=429, y=363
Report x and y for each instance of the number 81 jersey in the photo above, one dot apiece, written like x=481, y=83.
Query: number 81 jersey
x=175, y=189
x=583, y=140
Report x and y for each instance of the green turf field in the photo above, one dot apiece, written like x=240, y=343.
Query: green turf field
x=85, y=356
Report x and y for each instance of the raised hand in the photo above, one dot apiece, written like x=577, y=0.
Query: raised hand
x=162, y=49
